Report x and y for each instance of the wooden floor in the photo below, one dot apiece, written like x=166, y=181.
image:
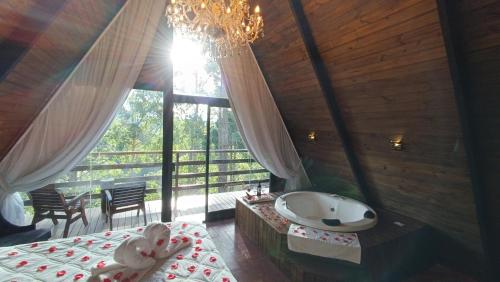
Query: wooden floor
x=190, y=208
x=246, y=261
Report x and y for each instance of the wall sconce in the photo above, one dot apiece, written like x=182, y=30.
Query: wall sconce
x=397, y=143
x=311, y=136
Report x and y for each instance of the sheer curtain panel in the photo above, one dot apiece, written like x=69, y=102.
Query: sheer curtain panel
x=259, y=120
x=82, y=108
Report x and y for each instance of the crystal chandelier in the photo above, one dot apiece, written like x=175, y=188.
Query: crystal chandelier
x=222, y=25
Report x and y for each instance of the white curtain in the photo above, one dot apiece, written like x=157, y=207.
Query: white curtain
x=259, y=120
x=81, y=110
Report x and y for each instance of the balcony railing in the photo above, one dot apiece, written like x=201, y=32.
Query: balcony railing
x=189, y=167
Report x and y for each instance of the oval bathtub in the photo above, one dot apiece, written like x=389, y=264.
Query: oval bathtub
x=326, y=211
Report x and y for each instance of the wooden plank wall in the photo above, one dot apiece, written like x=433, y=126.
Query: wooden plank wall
x=31, y=82
x=388, y=66
x=479, y=22
x=289, y=73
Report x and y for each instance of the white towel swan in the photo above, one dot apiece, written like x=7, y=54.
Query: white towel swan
x=135, y=257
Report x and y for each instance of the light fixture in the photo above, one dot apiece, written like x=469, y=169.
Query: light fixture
x=222, y=25
x=397, y=143
x=311, y=136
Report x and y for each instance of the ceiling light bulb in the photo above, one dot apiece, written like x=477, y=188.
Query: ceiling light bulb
x=257, y=9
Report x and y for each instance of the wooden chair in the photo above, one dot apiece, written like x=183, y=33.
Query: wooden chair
x=47, y=201
x=123, y=197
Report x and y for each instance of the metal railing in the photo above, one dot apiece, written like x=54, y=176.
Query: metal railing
x=182, y=179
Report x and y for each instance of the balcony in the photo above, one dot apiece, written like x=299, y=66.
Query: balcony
x=230, y=170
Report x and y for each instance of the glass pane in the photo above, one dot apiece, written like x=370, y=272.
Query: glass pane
x=190, y=126
x=129, y=151
x=232, y=168
x=194, y=73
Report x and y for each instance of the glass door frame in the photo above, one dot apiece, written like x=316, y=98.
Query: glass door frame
x=168, y=167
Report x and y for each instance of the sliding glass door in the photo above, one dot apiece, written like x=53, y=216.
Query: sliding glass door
x=211, y=166
x=189, y=158
x=231, y=168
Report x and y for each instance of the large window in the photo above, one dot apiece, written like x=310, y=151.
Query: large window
x=208, y=155
x=194, y=73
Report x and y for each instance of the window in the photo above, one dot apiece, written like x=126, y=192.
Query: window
x=194, y=73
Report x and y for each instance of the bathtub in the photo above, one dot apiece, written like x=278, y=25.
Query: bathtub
x=326, y=211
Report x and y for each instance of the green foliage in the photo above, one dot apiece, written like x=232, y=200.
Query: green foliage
x=135, y=137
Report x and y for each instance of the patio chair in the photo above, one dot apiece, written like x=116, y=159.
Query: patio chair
x=123, y=197
x=48, y=201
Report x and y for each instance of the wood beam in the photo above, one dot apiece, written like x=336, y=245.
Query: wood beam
x=456, y=61
x=325, y=83
x=20, y=40
x=168, y=128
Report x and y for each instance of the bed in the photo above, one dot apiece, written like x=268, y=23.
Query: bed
x=71, y=259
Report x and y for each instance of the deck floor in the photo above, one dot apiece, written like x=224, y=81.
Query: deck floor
x=190, y=208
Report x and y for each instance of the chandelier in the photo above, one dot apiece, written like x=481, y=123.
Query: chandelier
x=224, y=26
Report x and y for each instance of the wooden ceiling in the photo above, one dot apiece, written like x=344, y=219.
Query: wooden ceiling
x=45, y=40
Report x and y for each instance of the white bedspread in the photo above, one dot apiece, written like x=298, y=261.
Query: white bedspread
x=71, y=259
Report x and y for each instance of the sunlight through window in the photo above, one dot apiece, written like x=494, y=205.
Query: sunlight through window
x=194, y=72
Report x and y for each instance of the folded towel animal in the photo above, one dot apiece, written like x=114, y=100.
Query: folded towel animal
x=136, y=257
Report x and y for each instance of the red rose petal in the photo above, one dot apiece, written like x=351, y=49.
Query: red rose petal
x=22, y=263
x=118, y=276
x=192, y=268
x=90, y=242
x=61, y=273
x=77, y=240
x=34, y=245
x=52, y=249
x=77, y=277
x=106, y=280
x=197, y=234
x=198, y=241
x=126, y=236
x=70, y=253
x=106, y=246
x=160, y=242
x=41, y=268
x=11, y=254
x=140, y=229
x=180, y=257
x=185, y=239
x=101, y=264
x=198, y=249
x=184, y=225
x=181, y=232
x=85, y=258
x=195, y=255
x=173, y=241
x=213, y=259
x=107, y=234
x=225, y=279
x=207, y=272
x=152, y=254
x=170, y=276
x=144, y=254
